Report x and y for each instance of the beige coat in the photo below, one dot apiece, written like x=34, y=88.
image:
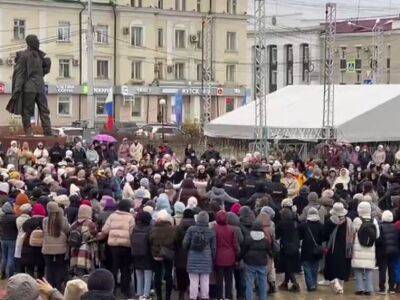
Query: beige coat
x=55, y=245
x=119, y=227
x=136, y=151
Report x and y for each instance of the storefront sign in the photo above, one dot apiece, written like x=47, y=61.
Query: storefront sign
x=191, y=91
x=101, y=90
x=65, y=89
x=142, y=90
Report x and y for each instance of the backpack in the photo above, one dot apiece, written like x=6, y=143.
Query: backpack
x=199, y=241
x=36, y=238
x=140, y=243
x=367, y=234
x=75, y=238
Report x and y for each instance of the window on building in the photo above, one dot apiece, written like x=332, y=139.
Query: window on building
x=101, y=105
x=136, y=73
x=199, y=72
x=389, y=54
x=231, y=6
x=64, y=31
x=137, y=36
x=160, y=4
x=273, y=67
x=64, y=106
x=19, y=29
x=274, y=77
x=136, y=107
x=64, y=68
x=198, y=6
x=305, y=63
x=160, y=38
x=274, y=55
x=229, y=104
x=180, y=36
x=102, y=34
x=179, y=71
x=342, y=52
x=289, y=64
x=136, y=3
x=231, y=41
x=358, y=51
x=230, y=73
x=159, y=70
x=358, y=77
x=180, y=5
x=102, y=69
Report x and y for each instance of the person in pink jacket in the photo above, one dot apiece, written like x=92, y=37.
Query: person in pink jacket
x=119, y=227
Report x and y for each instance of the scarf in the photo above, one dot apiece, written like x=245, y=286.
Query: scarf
x=349, y=235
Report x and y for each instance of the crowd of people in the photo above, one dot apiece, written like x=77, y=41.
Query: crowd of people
x=104, y=221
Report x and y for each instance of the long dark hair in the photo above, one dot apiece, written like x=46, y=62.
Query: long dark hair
x=55, y=222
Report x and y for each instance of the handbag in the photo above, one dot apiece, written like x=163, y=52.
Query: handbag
x=36, y=238
x=318, y=250
x=167, y=253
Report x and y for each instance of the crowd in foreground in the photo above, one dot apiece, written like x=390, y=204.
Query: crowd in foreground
x=99, y=221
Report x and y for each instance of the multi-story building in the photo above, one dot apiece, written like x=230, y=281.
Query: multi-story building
x=148, y=49
x=355, y=43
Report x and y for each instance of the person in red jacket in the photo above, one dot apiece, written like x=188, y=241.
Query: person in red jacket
x=227, y=254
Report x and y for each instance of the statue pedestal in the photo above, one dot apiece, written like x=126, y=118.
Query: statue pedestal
x=33, y=140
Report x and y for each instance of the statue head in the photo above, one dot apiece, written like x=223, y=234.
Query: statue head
x=32, y=41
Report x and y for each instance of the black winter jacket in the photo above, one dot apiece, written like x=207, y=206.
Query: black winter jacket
x=308, y=244
x=98, y=295
x=140, y=238
x=8, y=227
x=256, y=249
x=388, y=243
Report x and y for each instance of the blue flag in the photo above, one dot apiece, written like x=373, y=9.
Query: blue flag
x=178, y=108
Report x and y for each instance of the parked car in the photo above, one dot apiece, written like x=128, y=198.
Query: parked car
x=126, y=129
x=157, y=130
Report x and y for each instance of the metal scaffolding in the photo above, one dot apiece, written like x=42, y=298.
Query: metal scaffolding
x=329, y=87
x=260, y=71
x=378, y=60
x=207, y=67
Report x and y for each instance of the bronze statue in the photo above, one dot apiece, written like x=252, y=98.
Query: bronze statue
x=28, y=87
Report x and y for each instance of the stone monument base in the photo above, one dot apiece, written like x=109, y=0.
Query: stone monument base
x=33, y=140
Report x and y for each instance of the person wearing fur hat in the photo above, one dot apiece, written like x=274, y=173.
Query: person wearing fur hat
x=84, y=259
x=12, y=154
x=310, y=234
x=31, y=254
x=25, y=211
x=9, y=232
x=142, y=258
x=119, y=227
x=313, y=202
x=75, y=289
x=41, y=154
x=363, y=259
x=387, y=251
x=55, y=245
x=162, y=246
x=162, y=203
x=181, y=253
x=338, y=232
x=179, y=208
x=200, y=255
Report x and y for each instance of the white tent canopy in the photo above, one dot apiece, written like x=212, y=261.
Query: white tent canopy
x=363, y=113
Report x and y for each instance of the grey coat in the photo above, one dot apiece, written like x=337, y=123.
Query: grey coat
x=200, y=262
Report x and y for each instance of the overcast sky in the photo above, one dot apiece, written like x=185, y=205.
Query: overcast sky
x=299, y=13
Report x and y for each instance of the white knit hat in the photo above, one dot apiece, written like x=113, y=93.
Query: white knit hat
x=364, y=210
x=288, y=202
x=387, y=216
x=74, y=190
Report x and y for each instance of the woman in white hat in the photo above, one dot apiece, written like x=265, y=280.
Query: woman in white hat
x=338, y=233
x=291, y=183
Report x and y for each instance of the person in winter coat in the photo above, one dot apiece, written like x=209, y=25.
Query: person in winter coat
x=387, y=251
x=301, y=200
x=136, y=151
x=56, y=153
x=317, y=183
x=142, y=258
x=379, y=156
x=200, y=242
x=21, y=199
x=12, y=154
x=227, y=255
x=55, y=246
x=338, y=232
x=162, y=203
x=291, y=183
x=25, y=211
x=289, y=260
x=124, y=150
x=72, y=210
x=8, y=234
x=313, y=202
x=119, y=227
x=255, y=256
x=79, y=154
x=218, y=193
x=310, y=234
x=363, y=260
x=233, y=220
x=162, y=245
x=181, y=253
x=246, y=218
x=85, y=258
x=31, y=254
x=92, y=155
x=364, y=157
x=179, y=209
x=101, y=285
x=343, y=178
x=187, y=190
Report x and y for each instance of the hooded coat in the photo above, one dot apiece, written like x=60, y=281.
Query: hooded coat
x=181, y=253
x=8, y=227
x=227, y=245
x=219, y=194
x=256, y=247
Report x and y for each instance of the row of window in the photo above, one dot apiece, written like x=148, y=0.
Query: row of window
x=231, y=5
x=178, y=70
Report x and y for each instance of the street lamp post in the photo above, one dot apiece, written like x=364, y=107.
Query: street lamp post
x=162, y=103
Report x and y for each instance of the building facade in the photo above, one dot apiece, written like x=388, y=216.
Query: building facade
x=146, y=50
x=355, y=43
